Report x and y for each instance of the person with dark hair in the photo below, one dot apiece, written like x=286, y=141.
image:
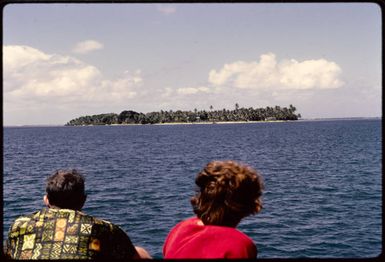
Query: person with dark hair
x=63, y=231
x=227, y=192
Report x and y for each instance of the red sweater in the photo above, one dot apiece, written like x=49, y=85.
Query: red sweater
x=190, y=239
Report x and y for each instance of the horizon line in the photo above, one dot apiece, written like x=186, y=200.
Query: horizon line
x=302, y=119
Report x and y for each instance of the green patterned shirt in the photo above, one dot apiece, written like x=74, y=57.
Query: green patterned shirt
x=66, y=234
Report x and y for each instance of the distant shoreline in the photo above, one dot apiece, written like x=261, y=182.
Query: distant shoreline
x=171, y=123
x=223, y=122
x=206, y=123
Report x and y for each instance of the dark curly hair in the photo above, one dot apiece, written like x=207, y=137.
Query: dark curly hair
x=228, y=191
x=65, y=189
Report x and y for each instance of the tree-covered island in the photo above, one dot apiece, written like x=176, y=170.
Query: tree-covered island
x=224, y=115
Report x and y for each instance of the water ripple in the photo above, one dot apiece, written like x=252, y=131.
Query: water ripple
x=323, y=179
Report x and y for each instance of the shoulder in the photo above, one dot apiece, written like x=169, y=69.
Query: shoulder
x=101, y=221
x=26, y=218
x=184, y=224
x=23, y=218
x=108, y=227
x=30, y=216
x=23, y=224
x=182, y=227
x=188, y=221
x=176, y=234
x=107, y=224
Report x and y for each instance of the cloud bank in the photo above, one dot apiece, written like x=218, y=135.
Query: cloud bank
x=192, y=90
x=267, y=73
x=87, y=46
x=30, y=74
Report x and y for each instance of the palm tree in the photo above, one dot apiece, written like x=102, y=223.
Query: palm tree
x=292, y=108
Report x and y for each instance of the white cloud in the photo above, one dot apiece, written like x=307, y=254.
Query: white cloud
x=15, y=56
x=288, y=74
x=166, y=9
x=87, y=46
x=192, y=90
x=32, y=75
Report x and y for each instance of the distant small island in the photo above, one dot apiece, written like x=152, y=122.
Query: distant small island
x=276, y=113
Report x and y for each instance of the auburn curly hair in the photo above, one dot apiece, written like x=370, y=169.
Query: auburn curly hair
x=228, y=191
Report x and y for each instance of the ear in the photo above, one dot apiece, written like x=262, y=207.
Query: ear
x=46, y=201
x=258, y=206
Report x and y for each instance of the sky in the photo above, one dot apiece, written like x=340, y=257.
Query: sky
x=63, y=61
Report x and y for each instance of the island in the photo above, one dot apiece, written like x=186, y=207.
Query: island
x=238, y=114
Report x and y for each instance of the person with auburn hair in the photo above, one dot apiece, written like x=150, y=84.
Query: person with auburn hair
x=227, y=192
x=63, y=231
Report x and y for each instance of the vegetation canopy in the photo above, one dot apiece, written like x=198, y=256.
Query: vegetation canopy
x=224, y=115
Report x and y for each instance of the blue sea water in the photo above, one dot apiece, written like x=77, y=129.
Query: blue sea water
x=323, y=179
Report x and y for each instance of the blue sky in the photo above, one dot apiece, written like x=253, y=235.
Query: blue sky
x=62, y=61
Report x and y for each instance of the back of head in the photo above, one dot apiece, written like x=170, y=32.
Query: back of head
x=228, y=192
x=65, y=189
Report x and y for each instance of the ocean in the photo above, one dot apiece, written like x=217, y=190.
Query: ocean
x=323, y=179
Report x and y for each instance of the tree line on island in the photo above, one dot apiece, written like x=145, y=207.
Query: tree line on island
x=179, y=116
